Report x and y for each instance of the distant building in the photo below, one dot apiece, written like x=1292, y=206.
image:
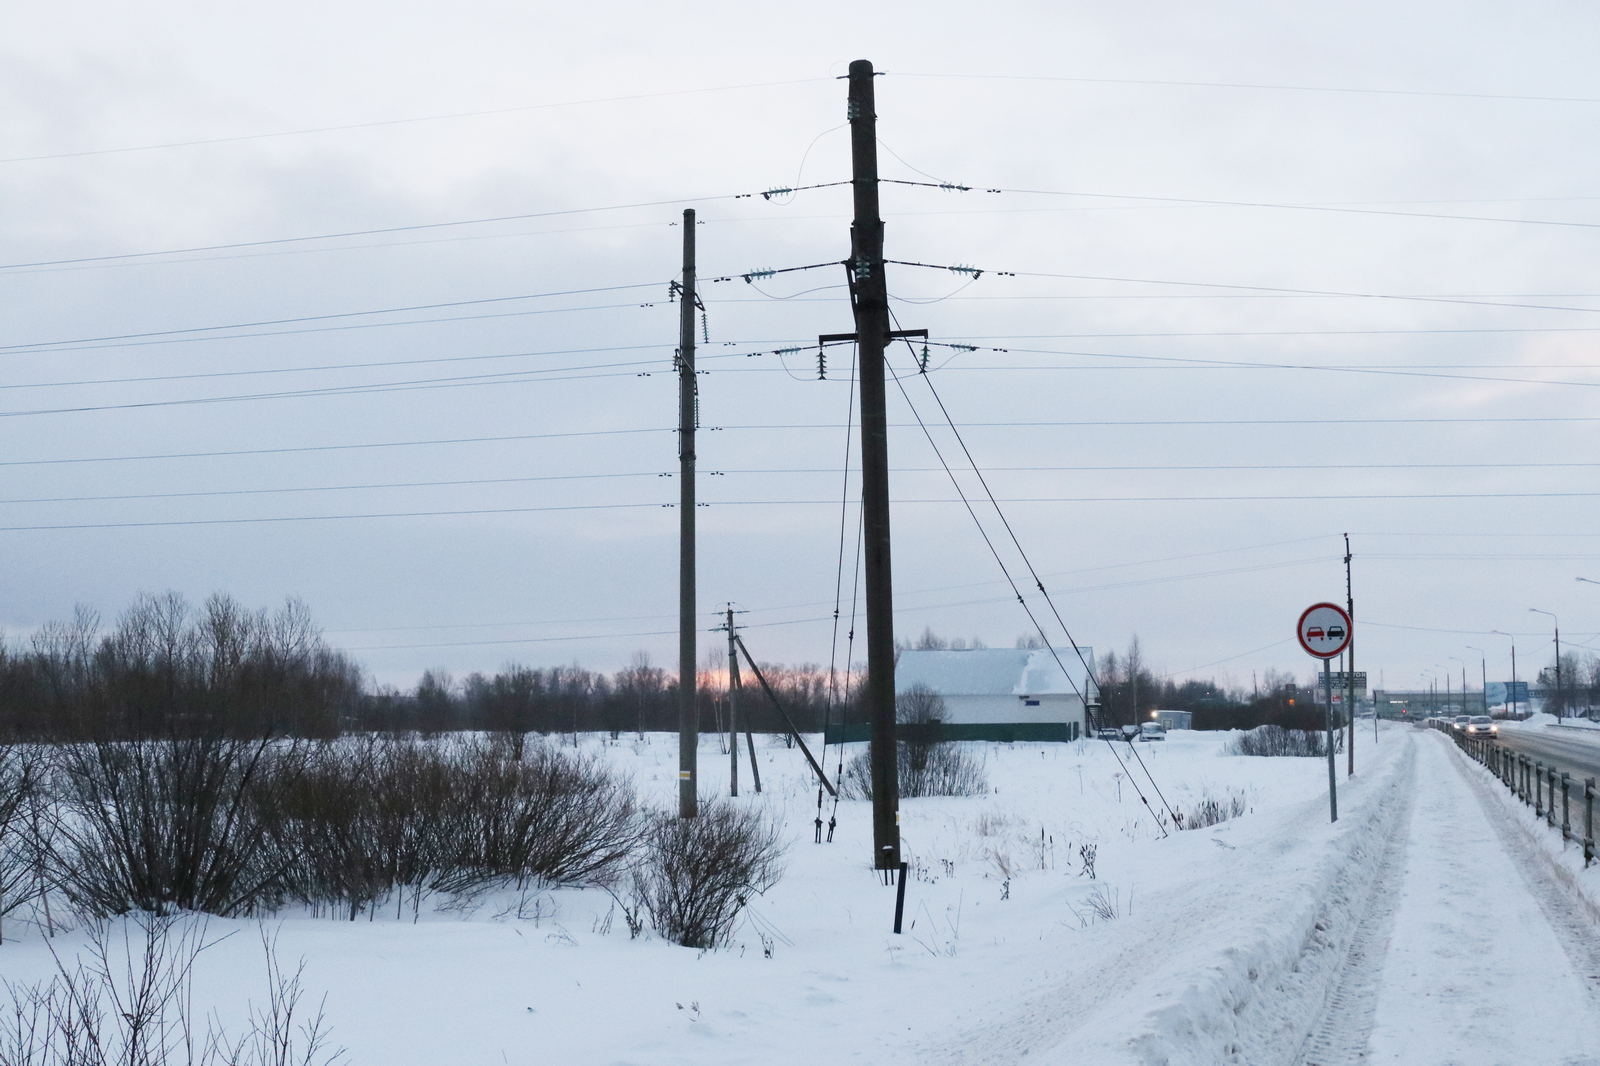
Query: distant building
x=1170, y=720
x=1000, y=694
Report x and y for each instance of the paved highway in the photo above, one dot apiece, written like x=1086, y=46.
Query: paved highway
x=1575, y=751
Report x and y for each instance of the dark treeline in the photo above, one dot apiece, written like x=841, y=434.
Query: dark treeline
x=1579, y=689
x=1129, y=691
x=167, y=668
x=570, y=699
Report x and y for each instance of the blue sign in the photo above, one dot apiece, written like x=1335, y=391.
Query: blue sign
x=1506, y=692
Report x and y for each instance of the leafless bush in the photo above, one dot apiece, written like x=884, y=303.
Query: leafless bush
x=1271, y=740
x=698, y=873
x=164, y=825
x=1210, y=810
x=548, y=816
x=21, y=768
x=374, y=820
x=131, y=1004
x=946, y=770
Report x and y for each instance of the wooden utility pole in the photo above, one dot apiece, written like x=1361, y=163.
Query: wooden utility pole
x=871, y=293
x=1350, y=673
x=733, y=709
x=688, y=709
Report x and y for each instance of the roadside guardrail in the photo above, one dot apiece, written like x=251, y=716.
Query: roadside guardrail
x=1534, y=783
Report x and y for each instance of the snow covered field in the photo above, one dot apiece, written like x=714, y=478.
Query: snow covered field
x=1403, y=933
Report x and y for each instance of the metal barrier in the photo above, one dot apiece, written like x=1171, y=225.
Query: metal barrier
x=1534, y=783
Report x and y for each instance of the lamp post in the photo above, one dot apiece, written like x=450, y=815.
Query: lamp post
x=1513, y=641
x=1562, y=707
x=1463, y=663
x=1483, y=670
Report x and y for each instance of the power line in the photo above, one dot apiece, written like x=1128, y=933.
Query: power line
x=1132, y=424
x=369, y=232
x=340, y=366
x=727, y=472
x=335, y=329
x=1326, y=208
x=330, y=488
x=405, y=121
x=326, y=318
x=795, y=503
x=1261, y=86
x=330, y=447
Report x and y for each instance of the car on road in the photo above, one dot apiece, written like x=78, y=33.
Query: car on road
x=1459, y=722
x=1152, y=731
x=1482, y=727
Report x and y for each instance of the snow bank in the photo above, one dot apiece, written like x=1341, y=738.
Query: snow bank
x=1181, y=947
x=1564, y=856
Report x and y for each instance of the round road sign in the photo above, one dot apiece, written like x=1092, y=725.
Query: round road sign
x=1324, y=630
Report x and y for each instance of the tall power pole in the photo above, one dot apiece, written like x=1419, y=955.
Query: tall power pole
x=688, y=709
x=1350, y=674
x=871, y=293
x=733, y=709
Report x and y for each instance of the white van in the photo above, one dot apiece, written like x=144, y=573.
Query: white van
x=1152, y=731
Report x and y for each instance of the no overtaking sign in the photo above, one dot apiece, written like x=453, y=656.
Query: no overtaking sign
x=1324, y=630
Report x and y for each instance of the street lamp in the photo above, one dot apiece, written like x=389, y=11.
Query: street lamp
x=1483, y=670
x=1463, y=663
x=1513, y=641
x=1559, y=705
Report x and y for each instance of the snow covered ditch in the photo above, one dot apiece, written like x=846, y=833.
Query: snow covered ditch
x=1211, y=945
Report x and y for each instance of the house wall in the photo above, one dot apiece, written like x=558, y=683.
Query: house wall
x=1003, y=718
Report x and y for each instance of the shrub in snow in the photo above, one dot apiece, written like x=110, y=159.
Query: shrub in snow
x=165, y=825
x=945, y=770
x=129, y=1004
x=1210, y=810
x=20, y=874
x=444, y=816
x=698, y=873
x=1273, y=740
x=548, y=816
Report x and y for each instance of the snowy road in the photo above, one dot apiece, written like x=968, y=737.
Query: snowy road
x=1572, y=750
x=1488, y=960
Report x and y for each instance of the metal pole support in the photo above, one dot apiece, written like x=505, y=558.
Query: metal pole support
x=1566, y=806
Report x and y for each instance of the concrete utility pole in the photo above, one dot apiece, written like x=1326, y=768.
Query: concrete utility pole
x=688, y=710
x=1350, y=671
x=733, y=709
x=870, y=289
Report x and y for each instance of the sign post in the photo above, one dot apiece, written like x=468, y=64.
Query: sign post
x=1324, y=632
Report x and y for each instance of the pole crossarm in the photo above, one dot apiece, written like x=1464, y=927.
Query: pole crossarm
x=794, y=732
x=893, y=334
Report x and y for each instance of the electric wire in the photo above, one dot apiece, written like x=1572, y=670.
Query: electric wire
x=838, y=580
x=984, y=533
x=1017, y=544
x=323, y=318
x=1253, y=86
x=406, y=121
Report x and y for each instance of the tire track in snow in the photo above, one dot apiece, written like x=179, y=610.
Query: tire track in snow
x=1243, y=984
x=1321, y=998
x=1339, y=1037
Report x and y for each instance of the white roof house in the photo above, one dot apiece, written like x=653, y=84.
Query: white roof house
x=1006, y=694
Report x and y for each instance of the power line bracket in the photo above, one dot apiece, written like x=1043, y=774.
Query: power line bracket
x=893, y=335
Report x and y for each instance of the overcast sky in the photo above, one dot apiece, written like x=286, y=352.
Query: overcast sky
x=1257, y=275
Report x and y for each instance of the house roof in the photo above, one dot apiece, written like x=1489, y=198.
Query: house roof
x=990, y=672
